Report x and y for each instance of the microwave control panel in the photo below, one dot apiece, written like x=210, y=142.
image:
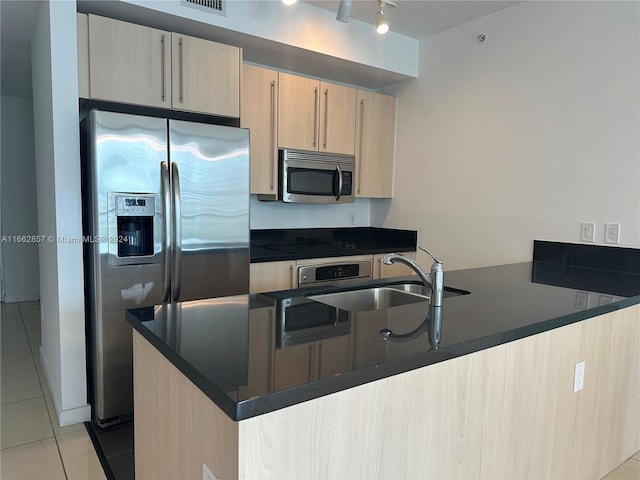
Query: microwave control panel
x=347, y=183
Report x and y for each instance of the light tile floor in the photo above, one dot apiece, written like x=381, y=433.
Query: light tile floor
x=32, y=444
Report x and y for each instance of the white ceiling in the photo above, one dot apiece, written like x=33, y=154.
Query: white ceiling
x=420, y=18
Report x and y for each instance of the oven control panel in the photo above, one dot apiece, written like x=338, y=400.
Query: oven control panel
x=334, y=272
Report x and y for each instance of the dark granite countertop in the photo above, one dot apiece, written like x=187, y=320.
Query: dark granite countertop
x=237, y=349
x=302, y=243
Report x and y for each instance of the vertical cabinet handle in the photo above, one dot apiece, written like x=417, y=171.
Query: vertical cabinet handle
x=326, y=116
x=290, y=276
x=319, y=368
x=273, y=134
x=315, y=116
x=164, y=75
x=360, y=146
x=181, y=69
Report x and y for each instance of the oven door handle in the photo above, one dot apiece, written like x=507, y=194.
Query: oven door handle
x=339, y=192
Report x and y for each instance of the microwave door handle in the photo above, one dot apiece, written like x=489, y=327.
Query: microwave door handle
x=339, y=192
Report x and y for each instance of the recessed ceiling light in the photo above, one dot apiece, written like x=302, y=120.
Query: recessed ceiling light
x=289, y=2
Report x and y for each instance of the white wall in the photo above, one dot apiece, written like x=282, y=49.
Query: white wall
x=57, y=153
x=18, y=201
x=302, y=26
x=524, y=136
x=299, y=215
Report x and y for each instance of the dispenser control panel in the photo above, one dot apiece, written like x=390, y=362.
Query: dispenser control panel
x=135, y=206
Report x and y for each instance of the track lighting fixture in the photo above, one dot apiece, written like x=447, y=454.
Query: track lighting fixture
x=344, y=11
x=382, y=26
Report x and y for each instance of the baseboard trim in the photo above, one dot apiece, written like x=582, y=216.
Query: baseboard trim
x=70, y=416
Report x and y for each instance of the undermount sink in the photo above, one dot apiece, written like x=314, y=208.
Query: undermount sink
x=378, y=298
x=385, y=296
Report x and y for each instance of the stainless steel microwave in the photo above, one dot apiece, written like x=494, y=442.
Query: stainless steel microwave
x=315, y=177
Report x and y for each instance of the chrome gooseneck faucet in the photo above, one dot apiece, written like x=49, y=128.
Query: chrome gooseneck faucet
x=434, y=280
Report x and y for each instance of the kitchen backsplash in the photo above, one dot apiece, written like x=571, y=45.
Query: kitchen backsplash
x=299, y=215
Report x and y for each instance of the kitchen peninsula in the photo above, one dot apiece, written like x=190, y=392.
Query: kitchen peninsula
x=214, y=383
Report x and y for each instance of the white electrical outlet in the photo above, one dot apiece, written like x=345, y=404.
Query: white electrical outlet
x=352, y=218
x=612, y=233
x=207, y=474
x=588, y=232
x=578, y=377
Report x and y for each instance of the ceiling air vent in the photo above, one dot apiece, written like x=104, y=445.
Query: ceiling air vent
x=212, y=6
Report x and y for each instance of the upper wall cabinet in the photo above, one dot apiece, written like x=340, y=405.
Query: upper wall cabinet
x=258, y=113
x=83, y=54
x=130, y=63
x=205, y=76
x=314, y=115
x=375, y=145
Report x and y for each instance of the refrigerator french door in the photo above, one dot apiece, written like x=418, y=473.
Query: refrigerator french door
x=166, y=215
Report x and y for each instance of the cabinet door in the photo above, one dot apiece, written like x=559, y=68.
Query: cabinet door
x=258, y=110
x=331, y=356
x=375, y=144
x=395, y=269
x=129, y=63
x=293, y=365
x=271, y=276
x=337, y=119
x=298, y=100
x=206, y=76
x=82, y=21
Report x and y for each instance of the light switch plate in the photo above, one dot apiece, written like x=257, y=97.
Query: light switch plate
x=588, y=232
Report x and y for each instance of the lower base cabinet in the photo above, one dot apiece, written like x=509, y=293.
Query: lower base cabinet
x=505, y=412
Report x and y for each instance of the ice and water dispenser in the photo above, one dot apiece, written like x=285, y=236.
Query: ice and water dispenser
x=134, y=223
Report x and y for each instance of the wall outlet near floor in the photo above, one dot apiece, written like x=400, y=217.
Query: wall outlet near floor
x=588, y=232
x=612, y=233
x=578, y=377
x=207, y=474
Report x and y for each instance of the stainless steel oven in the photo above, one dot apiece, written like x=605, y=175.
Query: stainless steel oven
x=315, y=177
x=303, y=320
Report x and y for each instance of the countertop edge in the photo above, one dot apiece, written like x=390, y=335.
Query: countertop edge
x=255, y=406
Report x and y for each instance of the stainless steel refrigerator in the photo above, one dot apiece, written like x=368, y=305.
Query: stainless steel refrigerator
x=166, y=219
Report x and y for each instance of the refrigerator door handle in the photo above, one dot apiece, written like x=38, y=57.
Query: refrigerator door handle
x=176, y=232
x=166, y=229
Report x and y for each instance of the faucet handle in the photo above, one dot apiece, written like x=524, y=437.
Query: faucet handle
x=430, y=254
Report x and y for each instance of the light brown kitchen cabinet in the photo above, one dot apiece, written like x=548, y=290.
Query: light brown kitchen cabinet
x=397, y=269
x=272, y=276
x=129, y=63
x=82, y=22
x=258, y=113
x=133, y=64
x=205, y=76
x=375, y=144
x=337, y=124
x=299, y=364
x=315, y=115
